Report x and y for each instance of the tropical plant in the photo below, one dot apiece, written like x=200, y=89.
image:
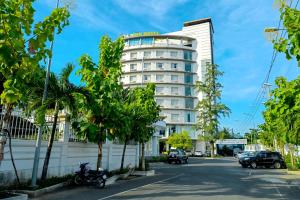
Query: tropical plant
x=291, y=22
x=22, y=47
x=100, y=110
x=209, y=107
x=61, y=95
x=149, y=114
x=282, y=116
x=180, y=140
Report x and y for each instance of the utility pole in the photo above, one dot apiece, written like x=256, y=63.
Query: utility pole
x=40, y=131
x=268, y=88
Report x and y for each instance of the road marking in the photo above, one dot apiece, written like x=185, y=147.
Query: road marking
x=277, y=190
x=140, y=187
x=250, y=172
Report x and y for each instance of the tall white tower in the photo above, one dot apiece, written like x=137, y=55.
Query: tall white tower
x=174, y=62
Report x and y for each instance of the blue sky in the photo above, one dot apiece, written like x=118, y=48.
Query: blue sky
x=240, y=48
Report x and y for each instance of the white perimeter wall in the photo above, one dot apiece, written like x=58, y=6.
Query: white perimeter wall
x=65, y=158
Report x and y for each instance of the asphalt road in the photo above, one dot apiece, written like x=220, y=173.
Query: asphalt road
x=207, y=179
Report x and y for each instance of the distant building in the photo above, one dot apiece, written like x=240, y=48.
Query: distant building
x=174, y=62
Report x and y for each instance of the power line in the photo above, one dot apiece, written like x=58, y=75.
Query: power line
x=263, y=89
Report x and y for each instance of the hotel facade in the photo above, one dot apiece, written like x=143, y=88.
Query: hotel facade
x=174, y=62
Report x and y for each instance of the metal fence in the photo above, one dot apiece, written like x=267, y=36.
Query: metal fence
x=23, y=126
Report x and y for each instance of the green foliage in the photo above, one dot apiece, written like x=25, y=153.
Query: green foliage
x=20, y=56
x=101, y=107
x=210, y=109
x=252, y=136
x=291, y=22
x=180, y=140
x=282, y=116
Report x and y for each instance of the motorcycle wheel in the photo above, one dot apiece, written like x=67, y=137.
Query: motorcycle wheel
x=78, y=180
x=100, y=182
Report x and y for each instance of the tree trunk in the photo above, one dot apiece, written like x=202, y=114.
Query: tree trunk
x=212, y=146
x=123, y=155
x=143, y=165
x=99, y=154
x=5, y=128
x=50, y=143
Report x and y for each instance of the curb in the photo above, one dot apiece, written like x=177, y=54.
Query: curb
x=43, y=191
x=144, y=173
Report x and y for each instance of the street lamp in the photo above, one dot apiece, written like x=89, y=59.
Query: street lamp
x=271, y=33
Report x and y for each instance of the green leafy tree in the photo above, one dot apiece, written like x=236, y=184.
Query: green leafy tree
x=291, y=22
x=180, y=140
x=22, y=47
x=101, y=109
x=148, y=111
x=209, y=107
x=282, y=116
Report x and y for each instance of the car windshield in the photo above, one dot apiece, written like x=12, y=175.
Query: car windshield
x=173, y=152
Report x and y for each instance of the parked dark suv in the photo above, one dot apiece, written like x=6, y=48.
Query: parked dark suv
x=177, y=156
x=263, y=158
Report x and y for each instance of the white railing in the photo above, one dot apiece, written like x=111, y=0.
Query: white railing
x=23, y=126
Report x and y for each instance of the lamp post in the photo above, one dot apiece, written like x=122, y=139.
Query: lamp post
x=271, y=33
x=40, y=130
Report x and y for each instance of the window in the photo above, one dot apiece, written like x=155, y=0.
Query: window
x=133, y=55
x=188, y=117
x=133, y=67
x=132, y=79
x=147, y=41
x=187, y=55
x=188, y=67
x=174, y=90
x=159, y=65
x=147, y=66
x=174, y=102
x=189, y=103
x=174, y=117
x=188, y=78
x=174, y=66
x=159, y=90
x=147, y=78
x=147, y=54
x=174, y=54
x=159, y=77
x=174, y=78
x=159, y=53
x=134, y=42
x=188, y=91
x=160, y=102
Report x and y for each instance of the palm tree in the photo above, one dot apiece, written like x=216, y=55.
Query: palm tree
x=61, y=95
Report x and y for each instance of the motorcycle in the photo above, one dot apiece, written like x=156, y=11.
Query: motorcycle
x=87, y=176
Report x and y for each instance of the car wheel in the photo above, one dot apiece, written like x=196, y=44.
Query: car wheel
x=179, y=161
x=244, y=166
x=253, y=165
x=277, y=165
x=186, y=161
x=169, y=161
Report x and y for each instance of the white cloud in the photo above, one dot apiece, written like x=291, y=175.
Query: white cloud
x=89, y=14
x=156, y=9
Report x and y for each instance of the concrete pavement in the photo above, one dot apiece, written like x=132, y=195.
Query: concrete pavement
x=205, y=179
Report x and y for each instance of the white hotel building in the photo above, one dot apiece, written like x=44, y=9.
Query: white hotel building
x=174, y=62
